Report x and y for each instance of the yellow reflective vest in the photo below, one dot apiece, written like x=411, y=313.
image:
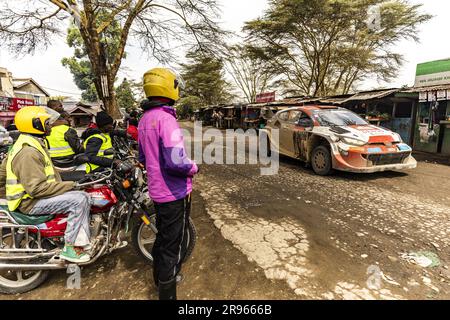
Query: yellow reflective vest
x=57, y=144
x=15, y=192
x=107, y=144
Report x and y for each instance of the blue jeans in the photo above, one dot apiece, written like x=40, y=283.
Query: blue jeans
x=77, y=206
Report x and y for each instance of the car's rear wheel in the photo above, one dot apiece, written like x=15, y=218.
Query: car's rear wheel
x=321, y=161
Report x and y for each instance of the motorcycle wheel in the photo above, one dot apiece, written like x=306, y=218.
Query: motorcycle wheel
x=144, y=237
x=17, y=282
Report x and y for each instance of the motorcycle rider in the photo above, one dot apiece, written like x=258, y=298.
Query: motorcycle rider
x=34, y=187
x=170, y=174
x=98, y=140
x=63, y=143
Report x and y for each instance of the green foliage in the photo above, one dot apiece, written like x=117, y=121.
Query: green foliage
x=125, y=96
x=204, y=76
x=80, y=65
x=325, y=47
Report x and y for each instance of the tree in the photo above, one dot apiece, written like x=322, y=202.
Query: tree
x=325, y=47
x=187, y=105
x=250, y=73
x=125, y=95
x=158, y=25
x=205, y=78
x=59, y=98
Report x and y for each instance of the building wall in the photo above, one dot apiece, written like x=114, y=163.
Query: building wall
x=30, y=91
x=6, y=85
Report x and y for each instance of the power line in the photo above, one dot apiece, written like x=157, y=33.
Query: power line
x=78, y=94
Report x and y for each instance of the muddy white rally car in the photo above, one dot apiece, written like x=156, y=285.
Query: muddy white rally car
x=329, y=137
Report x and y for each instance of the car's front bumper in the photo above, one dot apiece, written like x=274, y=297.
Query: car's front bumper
x=410, y=163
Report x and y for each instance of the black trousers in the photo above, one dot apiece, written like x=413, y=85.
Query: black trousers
x=170, y=248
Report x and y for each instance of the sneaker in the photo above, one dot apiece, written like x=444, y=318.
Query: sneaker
x=70, y=254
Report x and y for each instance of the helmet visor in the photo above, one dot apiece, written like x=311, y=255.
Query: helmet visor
x=54, y=115
x=179, y=81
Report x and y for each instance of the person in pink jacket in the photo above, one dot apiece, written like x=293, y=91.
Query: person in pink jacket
x=170, y=173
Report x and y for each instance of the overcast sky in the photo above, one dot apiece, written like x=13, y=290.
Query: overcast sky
x=46, y=69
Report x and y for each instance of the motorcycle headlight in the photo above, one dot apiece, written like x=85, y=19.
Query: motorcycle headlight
x=353, y=142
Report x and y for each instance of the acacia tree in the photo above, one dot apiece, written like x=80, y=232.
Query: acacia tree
x=325, y=47
x=79, y=64
x=158, y=25
x=205, y=78
x=249, y=72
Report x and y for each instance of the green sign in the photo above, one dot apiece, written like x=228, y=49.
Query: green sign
x=433, y=73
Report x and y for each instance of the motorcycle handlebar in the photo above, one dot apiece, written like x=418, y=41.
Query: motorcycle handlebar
x=107, y=174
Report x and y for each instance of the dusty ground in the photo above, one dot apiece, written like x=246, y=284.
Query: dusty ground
x=296, y=236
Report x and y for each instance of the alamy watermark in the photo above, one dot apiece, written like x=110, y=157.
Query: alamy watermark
x=230, y=147
x=74, y=280
x=374, y=18
x=374, y=281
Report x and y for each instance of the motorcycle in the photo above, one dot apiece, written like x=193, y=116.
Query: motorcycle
x=30, y=246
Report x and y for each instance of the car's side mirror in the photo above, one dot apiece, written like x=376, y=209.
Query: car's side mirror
x=305, y=123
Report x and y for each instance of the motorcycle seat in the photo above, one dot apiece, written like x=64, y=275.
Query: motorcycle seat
x=72, y=176
x=25, y=219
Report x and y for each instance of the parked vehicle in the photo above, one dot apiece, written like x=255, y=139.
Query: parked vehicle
x=330, y=138
x=30, y=246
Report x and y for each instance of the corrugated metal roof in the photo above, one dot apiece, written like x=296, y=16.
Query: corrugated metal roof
x=424, y=89
x=371, y=95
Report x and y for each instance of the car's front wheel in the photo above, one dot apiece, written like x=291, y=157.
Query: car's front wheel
x=321, y=161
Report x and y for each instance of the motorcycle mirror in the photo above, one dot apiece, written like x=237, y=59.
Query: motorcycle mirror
x=109, y=152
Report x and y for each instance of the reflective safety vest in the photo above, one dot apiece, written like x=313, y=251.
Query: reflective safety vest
x=15, y=192
x=106, y=145
x=57, y=145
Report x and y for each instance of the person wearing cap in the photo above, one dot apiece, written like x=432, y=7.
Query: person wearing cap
x=170, y=173
x=34, y=187
x=98, y=140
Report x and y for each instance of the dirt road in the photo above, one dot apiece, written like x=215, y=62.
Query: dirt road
x=297, y=236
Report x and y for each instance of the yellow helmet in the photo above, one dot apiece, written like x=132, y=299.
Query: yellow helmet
x=34, y=120
x=162, y=82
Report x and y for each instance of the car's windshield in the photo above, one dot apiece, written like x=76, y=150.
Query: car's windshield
x=338, y=118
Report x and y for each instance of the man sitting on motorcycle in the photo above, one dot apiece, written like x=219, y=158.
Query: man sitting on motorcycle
x=98, y=140
x=34, y=187
x=63, y=143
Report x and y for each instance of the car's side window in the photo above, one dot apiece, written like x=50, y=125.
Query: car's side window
x=284, y=116
x=294, y=116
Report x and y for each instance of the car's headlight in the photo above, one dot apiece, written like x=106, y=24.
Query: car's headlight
x=353, y=142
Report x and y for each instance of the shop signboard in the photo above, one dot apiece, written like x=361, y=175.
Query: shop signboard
x=434, y=73
x=431, y=96
x=442, y=95
x=266, y=97
x=423, y=96
x=19, y=103
x=5, y=103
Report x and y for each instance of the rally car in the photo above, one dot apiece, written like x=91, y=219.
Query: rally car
x=331, y=138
